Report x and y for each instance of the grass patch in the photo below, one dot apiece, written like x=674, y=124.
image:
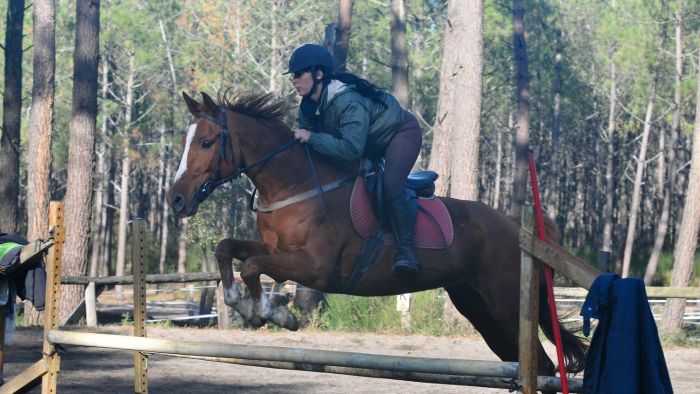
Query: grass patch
x=363, y=314
x=379, y=314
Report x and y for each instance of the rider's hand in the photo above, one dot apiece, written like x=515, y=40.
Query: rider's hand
x=302, y=135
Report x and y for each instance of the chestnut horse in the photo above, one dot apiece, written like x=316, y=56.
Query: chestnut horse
x=313, y=242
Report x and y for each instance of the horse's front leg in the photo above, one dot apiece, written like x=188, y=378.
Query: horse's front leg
x=283, y=265
x=226, y=251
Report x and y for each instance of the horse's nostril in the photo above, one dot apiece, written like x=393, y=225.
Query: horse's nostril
x=177, y=202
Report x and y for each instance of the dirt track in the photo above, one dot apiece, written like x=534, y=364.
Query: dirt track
x=86, y=370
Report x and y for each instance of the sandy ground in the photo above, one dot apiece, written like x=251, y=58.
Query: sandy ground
x=87, y=370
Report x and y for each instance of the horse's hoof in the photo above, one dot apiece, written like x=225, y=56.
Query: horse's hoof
x=291, y=324
x=282, y=317
x=257, y=322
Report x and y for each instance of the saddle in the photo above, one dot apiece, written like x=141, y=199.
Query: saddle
x=433, y=224
x=433, y=229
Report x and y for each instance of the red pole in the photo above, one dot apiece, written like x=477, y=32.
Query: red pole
x=548, y=276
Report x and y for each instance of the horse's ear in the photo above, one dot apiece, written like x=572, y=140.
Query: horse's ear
x=210, y=104
x=193, y=106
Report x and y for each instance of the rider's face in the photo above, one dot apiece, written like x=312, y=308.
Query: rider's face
x=302, y=82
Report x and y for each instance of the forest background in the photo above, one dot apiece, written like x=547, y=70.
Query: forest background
x=612, y=90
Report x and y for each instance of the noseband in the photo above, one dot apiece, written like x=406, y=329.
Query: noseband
x=208, y=187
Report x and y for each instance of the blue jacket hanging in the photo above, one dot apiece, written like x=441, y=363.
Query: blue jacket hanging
x=625, y=355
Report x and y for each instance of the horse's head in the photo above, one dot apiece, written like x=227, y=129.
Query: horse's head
x=206, y=157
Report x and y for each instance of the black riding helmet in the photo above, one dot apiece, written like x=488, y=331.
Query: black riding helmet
x=310, y=56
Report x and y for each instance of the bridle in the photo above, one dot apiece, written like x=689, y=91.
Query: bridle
x=208, y=187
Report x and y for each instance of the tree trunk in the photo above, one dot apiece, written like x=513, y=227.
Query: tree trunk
x=522, y=133
x=182, y=247
x=11, y=119
x=123, y=217
x=41, y=122
x=637, y=190
x=456, y=135
x=553, y=207
x=40, y=129
x=124, y=185
x=667, y=188
x=275, y=58
x=508, y=166
x=164, y=224
x=166, y=144
x=161, y=182
x=108, y=242
x=399, y=54
x=98, y=206
x=499, y=165
x=684, y=252
x=102, y=176
x=467, y=29
x=81, y=150
x=342, y=43
x=606, y=245
x=417, y=98
x=168, y=55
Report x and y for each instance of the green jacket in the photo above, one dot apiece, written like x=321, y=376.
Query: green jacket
x=348, y=126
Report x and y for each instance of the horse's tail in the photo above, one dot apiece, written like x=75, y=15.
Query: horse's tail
x=575, y=347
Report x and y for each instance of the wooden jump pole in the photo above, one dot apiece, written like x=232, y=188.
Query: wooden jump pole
x=544, y=383
x=442, y=371
x=285, y=354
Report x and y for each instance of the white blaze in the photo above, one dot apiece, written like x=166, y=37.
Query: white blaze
x=183, y=162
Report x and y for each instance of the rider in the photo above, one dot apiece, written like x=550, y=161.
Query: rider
x=345, y=117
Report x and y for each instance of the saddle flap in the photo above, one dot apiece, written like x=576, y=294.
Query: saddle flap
x=433, y=224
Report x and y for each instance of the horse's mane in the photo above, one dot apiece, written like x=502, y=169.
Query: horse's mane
x=262, y=106
x=257, y=105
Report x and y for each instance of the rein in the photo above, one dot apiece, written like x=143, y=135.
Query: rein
x=208, y=187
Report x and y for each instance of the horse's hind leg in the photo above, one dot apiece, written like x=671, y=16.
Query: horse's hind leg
x=498, y=337
x=499, y=332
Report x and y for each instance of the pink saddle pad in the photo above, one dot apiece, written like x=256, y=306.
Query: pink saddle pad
x=433, y=225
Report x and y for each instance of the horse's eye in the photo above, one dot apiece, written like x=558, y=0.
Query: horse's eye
x=206, y=144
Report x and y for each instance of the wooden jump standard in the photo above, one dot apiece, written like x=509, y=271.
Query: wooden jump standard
x=530, y=269
x=450, y=371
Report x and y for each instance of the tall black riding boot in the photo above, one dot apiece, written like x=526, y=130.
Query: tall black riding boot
x=403, y=220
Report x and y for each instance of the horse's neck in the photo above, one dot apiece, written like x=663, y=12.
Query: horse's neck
x=289, y=172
